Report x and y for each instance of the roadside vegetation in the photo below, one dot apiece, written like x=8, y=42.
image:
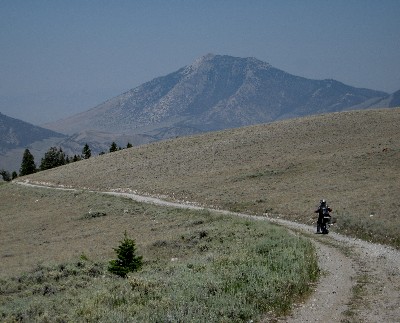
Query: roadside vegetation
x=197, y=266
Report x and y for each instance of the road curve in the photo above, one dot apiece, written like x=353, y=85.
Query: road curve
x=360, y=281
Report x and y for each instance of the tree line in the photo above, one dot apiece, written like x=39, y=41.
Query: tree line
x=54, y=157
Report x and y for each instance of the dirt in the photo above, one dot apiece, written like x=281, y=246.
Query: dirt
x=360, y=281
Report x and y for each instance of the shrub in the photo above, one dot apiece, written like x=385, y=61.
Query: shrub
x=127, y=260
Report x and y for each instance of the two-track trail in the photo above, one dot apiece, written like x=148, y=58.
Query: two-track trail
x=360, y=281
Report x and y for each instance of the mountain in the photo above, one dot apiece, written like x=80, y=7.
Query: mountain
x=16, y=133
x=390, y=101
x=216, y=92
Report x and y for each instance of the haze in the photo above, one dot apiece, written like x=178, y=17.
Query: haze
x=59, y=58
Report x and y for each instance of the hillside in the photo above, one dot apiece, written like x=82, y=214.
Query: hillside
x=349, y=158
x=391, y=101
x=16, y=133
x=215, y=92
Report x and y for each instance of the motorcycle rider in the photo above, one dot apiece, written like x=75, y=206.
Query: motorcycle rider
x=322, y=210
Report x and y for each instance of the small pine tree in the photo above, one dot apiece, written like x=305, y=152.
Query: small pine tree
x=14, y=175
x=6, y=175
x=86, y=152
x=127, y=260
x=129, y=145
x=28, y=165
x=113, y=147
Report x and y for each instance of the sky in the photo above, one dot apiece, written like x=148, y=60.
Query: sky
x=58, y=58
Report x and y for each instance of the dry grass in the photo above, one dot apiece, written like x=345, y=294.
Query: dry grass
x=198, y=266
x=41, y=225
x=352, y=159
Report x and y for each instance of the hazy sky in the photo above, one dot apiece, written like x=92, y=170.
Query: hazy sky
x=58, y=58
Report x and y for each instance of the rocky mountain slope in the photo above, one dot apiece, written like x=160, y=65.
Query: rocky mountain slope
x=216, y=92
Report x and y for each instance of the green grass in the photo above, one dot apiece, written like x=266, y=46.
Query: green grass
x=199, y=266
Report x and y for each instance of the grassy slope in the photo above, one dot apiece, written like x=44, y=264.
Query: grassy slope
x=352, y=159
x=230, y=269
x=198, y=266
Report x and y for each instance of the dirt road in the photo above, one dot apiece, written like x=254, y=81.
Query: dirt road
x=360, y=281
x=361, y=284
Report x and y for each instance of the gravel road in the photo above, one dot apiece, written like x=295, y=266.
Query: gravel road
x=360, y=280
x=361, y=284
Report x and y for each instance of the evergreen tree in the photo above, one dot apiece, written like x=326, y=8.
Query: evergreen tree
x=76, y=158
x=6, y=175
x=86, y=152
x=61, y=157
x=14, y=175
x=52, y=158
x=28, y=165
x=113, y=147
x=127, y=260
x=129, y=145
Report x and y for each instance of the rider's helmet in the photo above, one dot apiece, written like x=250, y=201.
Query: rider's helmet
x=323, y=202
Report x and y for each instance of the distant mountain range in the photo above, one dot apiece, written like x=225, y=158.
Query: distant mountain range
x=15, y=133
x=389, y=101
x=216, y=92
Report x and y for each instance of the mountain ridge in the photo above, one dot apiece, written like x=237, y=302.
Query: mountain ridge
x=216, y=92
x=15, y=133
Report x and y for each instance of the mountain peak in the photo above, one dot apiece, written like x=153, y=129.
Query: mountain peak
x=198, y=63
x=206, y=57
x=210, y=60
x=216, y=92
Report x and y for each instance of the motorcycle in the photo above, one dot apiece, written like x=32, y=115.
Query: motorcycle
x=326, y=223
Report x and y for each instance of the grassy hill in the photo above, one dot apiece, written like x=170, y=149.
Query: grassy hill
x=198, y=265
x=352, y=159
